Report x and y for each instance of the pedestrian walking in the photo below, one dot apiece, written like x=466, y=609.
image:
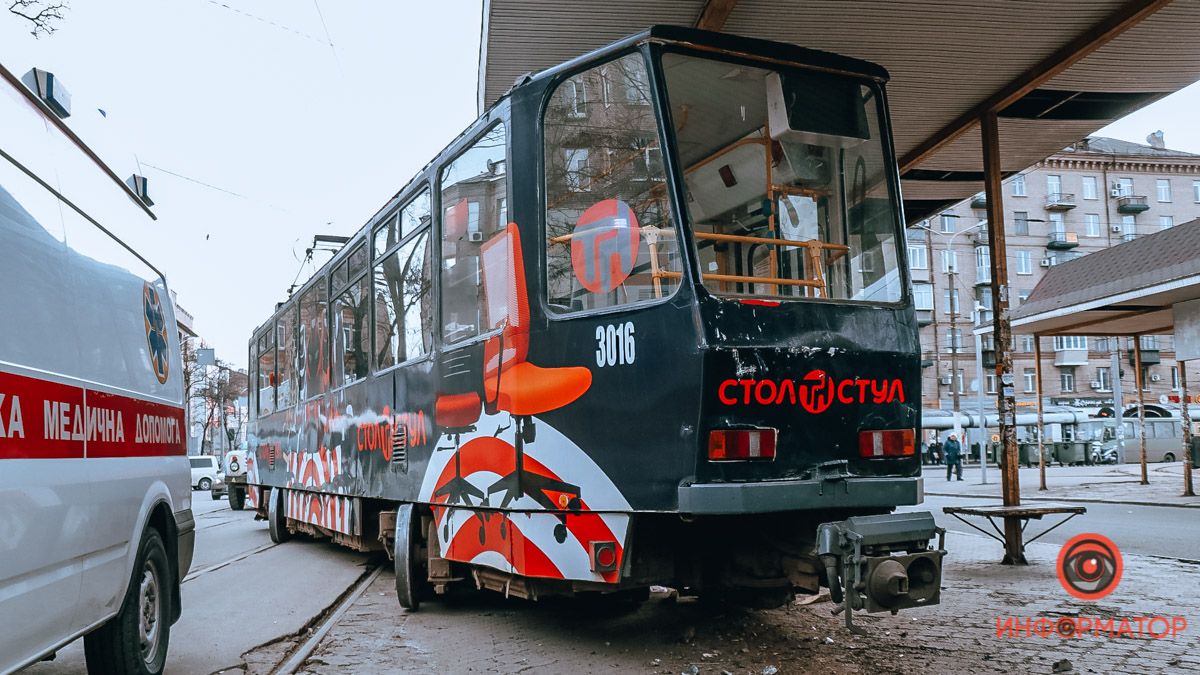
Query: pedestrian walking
x=953, y=454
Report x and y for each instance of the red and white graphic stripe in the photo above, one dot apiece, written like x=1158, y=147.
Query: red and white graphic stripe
x=331, y=512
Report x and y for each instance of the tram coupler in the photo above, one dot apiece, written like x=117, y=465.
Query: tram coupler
x=882, y=563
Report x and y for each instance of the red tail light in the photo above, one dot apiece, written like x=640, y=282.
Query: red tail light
x=890, y=443
x=737, y=445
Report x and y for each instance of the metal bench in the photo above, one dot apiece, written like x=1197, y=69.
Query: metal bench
x=1022, y=512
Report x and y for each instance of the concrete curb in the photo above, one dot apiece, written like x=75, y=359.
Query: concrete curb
x=1066, y=499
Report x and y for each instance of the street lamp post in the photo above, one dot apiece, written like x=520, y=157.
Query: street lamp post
x=951, y=264
x=979, y=395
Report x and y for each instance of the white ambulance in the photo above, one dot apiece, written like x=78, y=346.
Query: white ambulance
x=96, y=527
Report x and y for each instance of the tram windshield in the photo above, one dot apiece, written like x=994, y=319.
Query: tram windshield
x=785, y=155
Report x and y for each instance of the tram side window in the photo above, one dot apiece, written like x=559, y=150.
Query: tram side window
x=404, y=302
x=351, y=332
x=609, y=236
x=285, y=371
x=414, y=216
x=314, y=341
x=266, y=373
x=474, y=191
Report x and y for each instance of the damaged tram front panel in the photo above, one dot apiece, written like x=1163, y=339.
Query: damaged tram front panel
x=645, y=322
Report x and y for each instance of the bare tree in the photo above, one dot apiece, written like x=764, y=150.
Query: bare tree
x=43, y=14
x=221, y=393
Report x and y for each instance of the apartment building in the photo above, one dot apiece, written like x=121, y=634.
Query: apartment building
x=1097, y=193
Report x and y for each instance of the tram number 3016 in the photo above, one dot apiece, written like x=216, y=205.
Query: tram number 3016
x=615, y=345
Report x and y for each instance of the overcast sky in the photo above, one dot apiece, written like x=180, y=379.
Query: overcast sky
x=275, y=135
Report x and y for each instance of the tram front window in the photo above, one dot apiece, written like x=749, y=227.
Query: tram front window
x=785, y=154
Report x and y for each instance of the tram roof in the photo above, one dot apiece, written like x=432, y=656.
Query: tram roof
x=1057, y=72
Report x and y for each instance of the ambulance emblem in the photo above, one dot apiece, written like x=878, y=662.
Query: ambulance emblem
x=156, y=333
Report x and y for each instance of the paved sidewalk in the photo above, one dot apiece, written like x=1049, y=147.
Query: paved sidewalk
x=1112, y=483
x=483, y=633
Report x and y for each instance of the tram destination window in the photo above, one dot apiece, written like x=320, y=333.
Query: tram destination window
x=404, y=302
x=474, y=191
x=785, y=154
x=609, y=238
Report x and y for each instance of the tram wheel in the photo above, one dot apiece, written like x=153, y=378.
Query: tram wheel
x=277, y=517
x=410, y=573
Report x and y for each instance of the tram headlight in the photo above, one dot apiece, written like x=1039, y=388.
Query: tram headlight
x=888, y=443
x=739, y=445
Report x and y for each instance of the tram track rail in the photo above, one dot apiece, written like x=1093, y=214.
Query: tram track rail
x=315, y=632
x=194, y=574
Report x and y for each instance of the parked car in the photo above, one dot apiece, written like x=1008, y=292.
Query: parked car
x=96, y=526
x=1164, y=439
x=219, y=487
x=204, y=471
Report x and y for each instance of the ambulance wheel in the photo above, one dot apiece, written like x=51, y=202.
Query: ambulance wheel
x=277, y=517
x=410, y=570
x=135, y=640
x=237, y=499
x=216, y=497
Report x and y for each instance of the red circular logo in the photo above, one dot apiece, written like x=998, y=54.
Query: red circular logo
x=1089, y=566
x=604, y=245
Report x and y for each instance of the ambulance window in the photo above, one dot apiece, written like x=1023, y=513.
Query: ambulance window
x=314, y=340
x=285, y=388
x=266, y=373
x=474, y=186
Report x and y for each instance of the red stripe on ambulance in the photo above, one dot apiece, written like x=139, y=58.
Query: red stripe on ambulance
x=40, y=419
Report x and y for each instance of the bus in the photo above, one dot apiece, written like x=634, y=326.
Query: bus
x=645, y=321
x=96, y=525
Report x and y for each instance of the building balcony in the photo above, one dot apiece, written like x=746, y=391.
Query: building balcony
x=979, y=201
x=980, y=237
x=983, y=275
x=1062, y=241
x=1150, y=357
x=1071, y=357
x=1060, y=201
x=924, y=317
x=1129, y=236
x=1132, y=204
x=927, y=359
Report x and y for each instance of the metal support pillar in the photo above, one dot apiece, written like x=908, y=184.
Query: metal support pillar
x=1137, y=382
x=1014, y=548
x=1188, y=490
x=1041, y=425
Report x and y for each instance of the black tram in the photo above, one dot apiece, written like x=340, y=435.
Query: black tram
x=646, y=321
